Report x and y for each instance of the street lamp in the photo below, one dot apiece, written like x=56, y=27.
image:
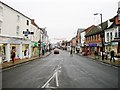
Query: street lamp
x=101, y=34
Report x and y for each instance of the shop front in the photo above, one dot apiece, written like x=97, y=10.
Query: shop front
x=34, y=50
x=9, y=43
x=93, y=47
x=2, y=53
x=26, y=49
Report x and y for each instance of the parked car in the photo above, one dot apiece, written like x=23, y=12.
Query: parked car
x=56, y=51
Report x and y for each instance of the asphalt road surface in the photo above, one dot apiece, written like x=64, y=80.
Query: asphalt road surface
x=61, y=71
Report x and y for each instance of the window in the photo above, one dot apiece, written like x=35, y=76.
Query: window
x=17, y=30
x=98, y=36
x=1, y=10
x=18, y=18
x=107, y=36
x=115, y=34
x=27, y=22
x=0, y=27
x=118, y=31
x=0, y=31
x=110, y=36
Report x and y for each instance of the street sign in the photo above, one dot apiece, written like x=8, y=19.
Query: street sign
x=26, y=33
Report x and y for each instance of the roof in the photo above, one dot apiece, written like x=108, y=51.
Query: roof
x=33, y=23
x=15, y=10
x=89, y=28
x=80, y=30
x=115, y=20
x=97, y=29
x=94, y=30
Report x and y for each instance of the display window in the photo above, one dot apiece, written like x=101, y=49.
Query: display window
x=2, y=52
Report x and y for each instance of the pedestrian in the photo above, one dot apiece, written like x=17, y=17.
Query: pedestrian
x=13, y=55
x=95, y=54
x=112, y=55
x=42, y=52
x=71, y=52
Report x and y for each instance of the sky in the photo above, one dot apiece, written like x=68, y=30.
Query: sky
x=62, y=18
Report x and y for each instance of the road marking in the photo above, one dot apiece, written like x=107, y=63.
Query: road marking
x=47, y=83
x=54, y=76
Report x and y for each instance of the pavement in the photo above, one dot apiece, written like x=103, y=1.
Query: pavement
x=21, y=61
x=106, y=61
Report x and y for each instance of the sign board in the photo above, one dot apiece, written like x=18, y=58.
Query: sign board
x=114, y=43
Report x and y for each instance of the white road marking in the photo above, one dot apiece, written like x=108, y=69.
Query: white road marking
x=55, y=75
x=47, y=83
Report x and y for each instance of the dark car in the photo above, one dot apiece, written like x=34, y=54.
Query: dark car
x=56, y=51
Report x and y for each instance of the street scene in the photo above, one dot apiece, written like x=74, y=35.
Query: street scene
x=59, y=44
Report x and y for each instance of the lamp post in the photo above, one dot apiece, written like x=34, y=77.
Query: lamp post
x=101, y=34
x=39, y=45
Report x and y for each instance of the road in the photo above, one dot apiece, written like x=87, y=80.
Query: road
x=61, y=71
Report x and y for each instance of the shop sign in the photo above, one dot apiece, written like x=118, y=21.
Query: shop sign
x=26, y=42
x=93, y=44
x=4, y=40
x=15, y=41
x=107, y=44
x=35, y=44
x=99, y=44
x=114, y=43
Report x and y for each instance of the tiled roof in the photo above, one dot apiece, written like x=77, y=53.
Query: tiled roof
x=89, y=28
x=97, y=29
x=94, y=30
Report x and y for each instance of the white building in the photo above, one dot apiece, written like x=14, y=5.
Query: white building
x=82, y=34
x=112, y=36
x=14, y=30
x=35, y=38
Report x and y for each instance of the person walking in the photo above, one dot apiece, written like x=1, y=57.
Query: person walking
x=13, y=55
x=95, y=54
x=71, y=52
x=112, y=56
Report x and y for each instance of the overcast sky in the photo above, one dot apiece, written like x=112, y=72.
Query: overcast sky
x=63, y=17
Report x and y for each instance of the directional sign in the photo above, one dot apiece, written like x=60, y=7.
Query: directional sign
x=26, y=33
